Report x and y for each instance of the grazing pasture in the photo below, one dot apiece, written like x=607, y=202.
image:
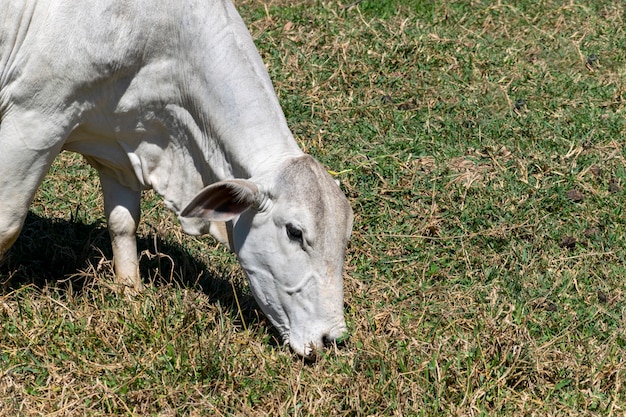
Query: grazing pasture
x=482, y=146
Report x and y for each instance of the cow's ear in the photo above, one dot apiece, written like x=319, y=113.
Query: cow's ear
x=223, y=201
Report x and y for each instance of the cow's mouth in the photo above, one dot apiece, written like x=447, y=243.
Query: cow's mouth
x=335, y=337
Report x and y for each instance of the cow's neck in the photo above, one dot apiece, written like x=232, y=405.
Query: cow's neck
x=246, y=128
x=241, y=129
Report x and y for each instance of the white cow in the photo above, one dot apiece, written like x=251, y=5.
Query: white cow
x=172, y=95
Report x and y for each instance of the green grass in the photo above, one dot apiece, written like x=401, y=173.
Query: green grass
x=482, y=146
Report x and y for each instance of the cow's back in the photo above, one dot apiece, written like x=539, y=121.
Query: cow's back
x=52, y=50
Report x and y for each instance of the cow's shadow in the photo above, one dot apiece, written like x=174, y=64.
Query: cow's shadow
x=62, y=253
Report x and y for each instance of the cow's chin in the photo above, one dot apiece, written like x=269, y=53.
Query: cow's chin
x=307, y=350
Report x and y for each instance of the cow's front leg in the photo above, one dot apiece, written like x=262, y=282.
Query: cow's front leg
x=28, y=145
x=122, y=210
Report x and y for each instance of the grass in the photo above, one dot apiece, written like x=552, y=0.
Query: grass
x=482, y=146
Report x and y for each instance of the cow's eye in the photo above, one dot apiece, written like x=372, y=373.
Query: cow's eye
x=294, y=233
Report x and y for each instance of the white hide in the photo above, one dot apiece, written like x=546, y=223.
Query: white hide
x=172, y=95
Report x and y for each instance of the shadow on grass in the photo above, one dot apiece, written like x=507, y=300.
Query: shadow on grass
x=53, y=252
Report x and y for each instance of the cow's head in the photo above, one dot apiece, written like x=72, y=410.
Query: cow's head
x=290, y=236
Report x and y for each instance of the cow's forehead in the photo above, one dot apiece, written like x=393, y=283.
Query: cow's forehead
x=303, y=179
